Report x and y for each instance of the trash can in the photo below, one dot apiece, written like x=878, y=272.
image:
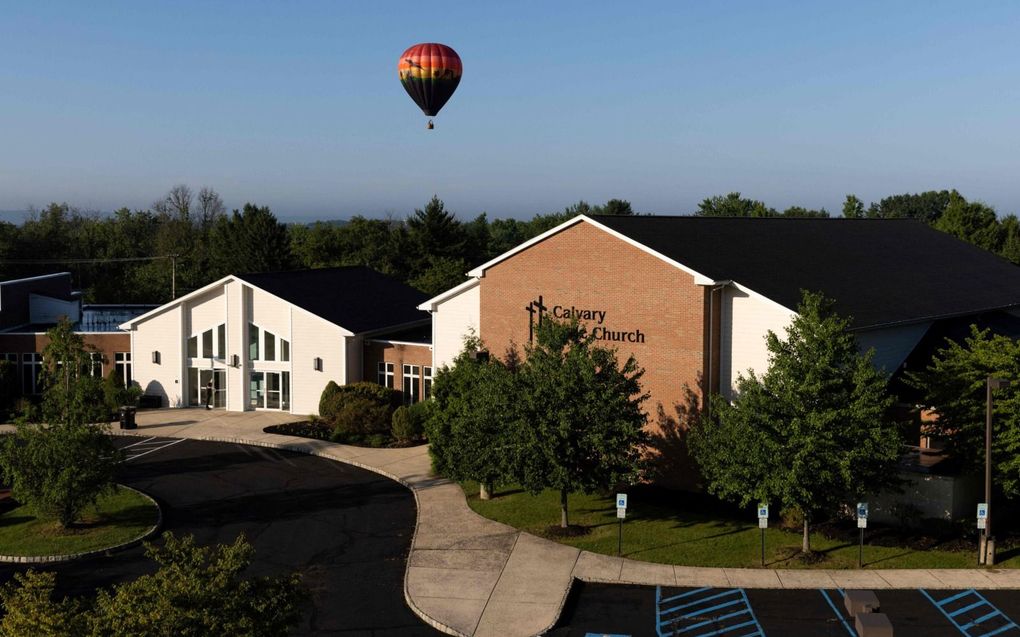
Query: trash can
x=127, y=418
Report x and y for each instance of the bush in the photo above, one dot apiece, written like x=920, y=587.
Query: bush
x=336, y=402
x=8, y=387
x=361, y=416
x=115, y=395
x=403, y=427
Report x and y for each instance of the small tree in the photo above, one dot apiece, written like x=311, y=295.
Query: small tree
x=71, y=394
x=812, y=432
x=954, y=385
x=583, y=425
x=472, y=424
x=196, y=591
x=63, y=466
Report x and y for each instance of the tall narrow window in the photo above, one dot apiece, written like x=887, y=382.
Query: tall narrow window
x=284, y=350
x=207, y=344
x=95, y=364
x=286, y=390
x=412, y=383
x=221, y=342
x=31, y=365
x=122, y=364
x=269, y=353
x=385, y=374
x=426, y=382
x=193, y=347
x=253, y=342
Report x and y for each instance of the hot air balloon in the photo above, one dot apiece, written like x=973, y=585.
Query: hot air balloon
x=430, y=74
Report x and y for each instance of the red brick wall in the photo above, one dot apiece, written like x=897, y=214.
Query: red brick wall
x=399, y=355
x=107, y=344
x=587, y=268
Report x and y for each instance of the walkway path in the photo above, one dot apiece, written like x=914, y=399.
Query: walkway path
x=468, y=575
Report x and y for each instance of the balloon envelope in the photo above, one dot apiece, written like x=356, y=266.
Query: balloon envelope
x=430, y=73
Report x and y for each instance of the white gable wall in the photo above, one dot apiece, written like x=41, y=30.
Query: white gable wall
x=746, y=318
x=160, y=333
x=452, y=320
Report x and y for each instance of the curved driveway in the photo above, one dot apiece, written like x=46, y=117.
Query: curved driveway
x=346, y=530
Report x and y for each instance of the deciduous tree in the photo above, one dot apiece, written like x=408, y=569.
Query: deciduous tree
x=954, y=385
x=812, y=432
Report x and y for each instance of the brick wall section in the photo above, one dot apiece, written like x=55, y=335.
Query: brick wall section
x=399, y=354
x=107, y=344
x=587, y=268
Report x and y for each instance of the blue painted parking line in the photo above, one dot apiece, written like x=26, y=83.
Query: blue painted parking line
x=604, y=635
x=842, y=619
x=705, y=612
x=973, y=615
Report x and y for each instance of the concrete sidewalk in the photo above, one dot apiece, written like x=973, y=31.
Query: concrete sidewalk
x=468, y=575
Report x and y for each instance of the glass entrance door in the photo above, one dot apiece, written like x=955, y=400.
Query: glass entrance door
x=269, y=390
x=198, y=384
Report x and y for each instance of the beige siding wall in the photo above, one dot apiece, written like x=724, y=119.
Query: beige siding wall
x=237, y=334
x=163, y=333
x=314, y=337
x=453, y=320
x=745, y=320
x=206, y=312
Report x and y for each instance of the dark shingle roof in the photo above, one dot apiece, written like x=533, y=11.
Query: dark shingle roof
x=356, y=298
x=880, y=271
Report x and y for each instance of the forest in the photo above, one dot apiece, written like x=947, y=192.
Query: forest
x=188, y=239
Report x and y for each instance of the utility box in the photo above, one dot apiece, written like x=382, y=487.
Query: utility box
x=873, y=625
x=858, y=602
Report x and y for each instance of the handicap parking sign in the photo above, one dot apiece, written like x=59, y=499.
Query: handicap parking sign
x=621, y=500
x=763, y=511
x=862, y=510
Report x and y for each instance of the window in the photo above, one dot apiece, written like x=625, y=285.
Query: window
x=253, y=342
x=193, y=347
x=270, y=350
x=122, y=365
x=385, y=374
x=221, y=342
x=13, y=358
x=96, y=364
x=31, y=365
x=426, y=382
x=207, y=344
x=284, y=350
x=412, y=383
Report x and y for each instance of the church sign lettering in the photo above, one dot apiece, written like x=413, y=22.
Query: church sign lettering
x=537, y=309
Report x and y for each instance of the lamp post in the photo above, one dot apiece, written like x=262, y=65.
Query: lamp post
x=988, y=553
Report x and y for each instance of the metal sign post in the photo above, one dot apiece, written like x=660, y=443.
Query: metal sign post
x=763, y=523
x=621, y=513
x=982, y=525
x=862, y=523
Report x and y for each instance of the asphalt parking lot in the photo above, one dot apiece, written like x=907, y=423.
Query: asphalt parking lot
x=594, y=610
x=346, y=530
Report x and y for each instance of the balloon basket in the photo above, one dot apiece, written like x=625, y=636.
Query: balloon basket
x=430, y=125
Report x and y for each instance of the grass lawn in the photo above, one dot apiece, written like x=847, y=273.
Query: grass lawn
x=118, y=518
x=691, y=530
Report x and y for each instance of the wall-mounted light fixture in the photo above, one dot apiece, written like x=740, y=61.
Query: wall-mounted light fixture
x=235, y=361
x=155, y=357
x=317, y=364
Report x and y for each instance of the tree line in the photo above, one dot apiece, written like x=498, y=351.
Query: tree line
x=187, y=239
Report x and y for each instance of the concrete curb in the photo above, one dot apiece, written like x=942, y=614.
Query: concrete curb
x=297, y=448
x=50, y=559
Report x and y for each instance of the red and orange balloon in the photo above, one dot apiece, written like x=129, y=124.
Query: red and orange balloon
x=430, y=73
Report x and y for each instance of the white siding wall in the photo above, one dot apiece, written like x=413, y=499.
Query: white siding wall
x=237, y=334
x=205, y=312
x=163, y=333
x=451, y=321
x=314, y=337
x=746, y=318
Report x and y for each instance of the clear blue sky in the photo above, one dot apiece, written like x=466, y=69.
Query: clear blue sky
x=297, y=105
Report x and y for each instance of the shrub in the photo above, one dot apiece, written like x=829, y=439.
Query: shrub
x=403, y=426
x=116, y=395
x=361, y=416
x=8, y=387
x=336, y=400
